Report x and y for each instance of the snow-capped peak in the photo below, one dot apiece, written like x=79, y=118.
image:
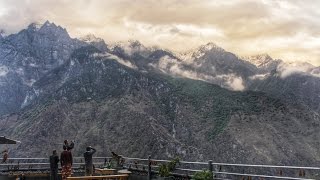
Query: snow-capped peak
x=259, y=60
x=89, y=38
x=209, y=46
x=199, y=52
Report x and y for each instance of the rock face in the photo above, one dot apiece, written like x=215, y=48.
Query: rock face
x=26, y=57
x=140, y=101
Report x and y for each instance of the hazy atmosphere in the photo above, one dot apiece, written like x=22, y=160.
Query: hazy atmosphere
x=285, y=29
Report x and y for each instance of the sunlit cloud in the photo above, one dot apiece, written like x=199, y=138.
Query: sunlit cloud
x=286, y=29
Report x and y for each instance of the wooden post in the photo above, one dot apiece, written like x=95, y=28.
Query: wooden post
x=149, y=168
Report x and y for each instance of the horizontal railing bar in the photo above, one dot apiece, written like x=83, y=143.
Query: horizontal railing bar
x=265, y=176
x=25, y=164
x=144, y=165
x=48, y=158
x=135, y=159
x=191, y=170
x=137, y=164
x=200, y=163
x=27, y=158
x=267, y=166
x=98, y=157
x=156, y=160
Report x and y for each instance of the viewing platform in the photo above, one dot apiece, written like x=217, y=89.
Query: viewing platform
x=147, y=169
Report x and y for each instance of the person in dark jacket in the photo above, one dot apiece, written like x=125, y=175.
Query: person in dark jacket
x=69, y=146
x=5, y=156
x=54, y=160
x=66, y=163
x=88, y=160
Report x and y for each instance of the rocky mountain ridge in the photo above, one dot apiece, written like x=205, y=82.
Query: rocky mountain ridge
x=97, y=101
x=139, y=101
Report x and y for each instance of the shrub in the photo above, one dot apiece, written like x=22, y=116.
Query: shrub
x=203, y=175
x=165, y=169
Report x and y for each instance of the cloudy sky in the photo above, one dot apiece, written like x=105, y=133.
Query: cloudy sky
x=286, y=29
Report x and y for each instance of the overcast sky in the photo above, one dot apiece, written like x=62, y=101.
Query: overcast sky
x=287, y=29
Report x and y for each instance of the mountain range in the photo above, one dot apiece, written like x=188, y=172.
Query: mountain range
x=203, y=104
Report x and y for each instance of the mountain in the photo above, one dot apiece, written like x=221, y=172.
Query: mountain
x=139, y=101
x=296, y=83
x=209, y=63
x=96, y=101
x=210, y=56
x=27, y=56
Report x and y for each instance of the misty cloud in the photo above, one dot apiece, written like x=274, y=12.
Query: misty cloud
x=118, y=59
x=175, y=67
x=287, y=69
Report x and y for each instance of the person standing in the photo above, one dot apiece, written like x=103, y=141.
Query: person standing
x=5, y=156
x=66, y=163
x=54, y=160
x=88, y=160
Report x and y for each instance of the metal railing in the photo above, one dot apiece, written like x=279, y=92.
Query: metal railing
x=42, y=165
x=227, y=170
x=185, y=169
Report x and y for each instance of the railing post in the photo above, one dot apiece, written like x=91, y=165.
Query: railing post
x=210, y=166
x=149, y=167
x=302, y=173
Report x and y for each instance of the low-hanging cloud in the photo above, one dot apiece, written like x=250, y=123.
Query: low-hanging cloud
x=288, y=69
x=175, y=67
x=285, y=29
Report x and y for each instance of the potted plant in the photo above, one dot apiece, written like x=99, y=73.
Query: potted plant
x=203, y=175
x=167, y=168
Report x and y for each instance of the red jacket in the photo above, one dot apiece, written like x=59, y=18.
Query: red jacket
x=66, y=158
